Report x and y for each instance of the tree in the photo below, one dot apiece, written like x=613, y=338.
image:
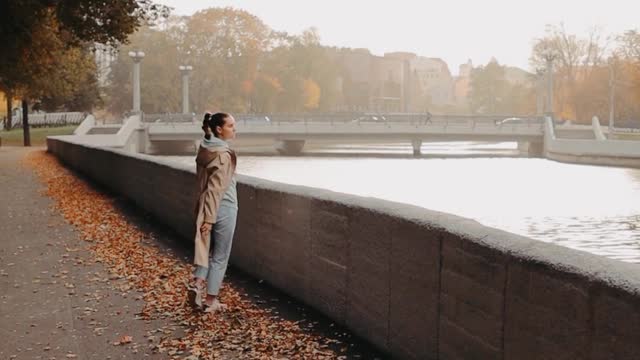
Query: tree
x=9, y=99
x=314, y=64
x=72, y=85
x=575, y=60
x=265, y=91
x=311, y=93
x=224, y=46
x=628, y=69
x=493, y=93
x=488, y=85
x=36, y=35
x=106, y=22
x=159, y=79
x=301, y=63
x=240, y=65
x=629, y=47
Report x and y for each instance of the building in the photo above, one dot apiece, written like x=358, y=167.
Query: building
x=395, y=82
x=355, y=79
x=462, y=84
x=434, y=81
x=388, y=82
x=516, y=76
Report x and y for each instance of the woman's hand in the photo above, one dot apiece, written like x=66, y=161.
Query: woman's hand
x=205, y=229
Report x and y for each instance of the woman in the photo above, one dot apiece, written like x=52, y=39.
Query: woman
x=216, y=209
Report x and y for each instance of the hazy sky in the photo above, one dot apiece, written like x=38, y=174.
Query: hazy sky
x=454, y=30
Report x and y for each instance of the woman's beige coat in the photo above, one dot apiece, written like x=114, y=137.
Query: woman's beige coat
x=215, y=169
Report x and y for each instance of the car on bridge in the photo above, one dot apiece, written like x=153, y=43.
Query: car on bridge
x=369, y=118
x=519, y=121
x=253, y=119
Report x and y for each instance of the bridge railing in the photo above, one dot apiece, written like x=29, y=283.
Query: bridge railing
x=297, y=118
x=168, y=118
x=351, y=116
x=365, y=119
x=351, y=122
x=49, y=119
x=355, y=118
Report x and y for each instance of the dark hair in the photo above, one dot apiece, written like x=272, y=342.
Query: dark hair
x=212, y=121
x=205, y=125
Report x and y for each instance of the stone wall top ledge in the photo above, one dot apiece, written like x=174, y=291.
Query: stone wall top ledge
x=78, y=140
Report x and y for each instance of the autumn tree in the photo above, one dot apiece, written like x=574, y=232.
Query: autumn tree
x=266, y=90
x=73, y=84
x=38, y=35
x=306, y=71
x=627, y=74
x=240, y=65
x=277, y=65
x=629, y=46
x=160, y=84
x=488, y=85
x=311, y=93
x=576, y=60
x=224, y=46
x=315, y=64
x=493, y=93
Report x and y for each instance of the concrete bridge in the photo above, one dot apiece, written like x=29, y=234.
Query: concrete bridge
x=290, y=133
x=178, y=133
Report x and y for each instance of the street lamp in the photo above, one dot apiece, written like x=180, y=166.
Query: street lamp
x=548, y=55
x=612, y=93
x=137, y=57
x=540, y=91
x=185, y=70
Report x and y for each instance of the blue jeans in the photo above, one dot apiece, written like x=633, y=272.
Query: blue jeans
x=220, y=249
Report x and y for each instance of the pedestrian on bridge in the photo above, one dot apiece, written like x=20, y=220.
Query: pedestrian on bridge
x=216, y=210
x=427, y=118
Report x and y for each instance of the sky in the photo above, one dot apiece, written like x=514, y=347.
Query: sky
x=453, y=30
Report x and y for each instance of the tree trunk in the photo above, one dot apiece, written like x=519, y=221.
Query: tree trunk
x=25, y=121
x=7, y=123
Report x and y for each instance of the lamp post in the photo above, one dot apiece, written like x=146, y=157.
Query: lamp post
x=185, y=70
x=137, y=57
x=612, y=94
x=539, y=92
x=549, y=55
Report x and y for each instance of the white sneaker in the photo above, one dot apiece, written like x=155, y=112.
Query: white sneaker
x=195, y=296
x=215, y=306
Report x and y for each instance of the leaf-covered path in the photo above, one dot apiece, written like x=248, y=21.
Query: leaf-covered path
x=80, y=280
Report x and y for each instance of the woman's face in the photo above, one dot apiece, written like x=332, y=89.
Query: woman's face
x=228, y=130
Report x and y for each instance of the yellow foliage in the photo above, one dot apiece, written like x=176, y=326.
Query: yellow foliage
x=311, y=92
x=271, y=81
x=3, y=104
x=567, y=113
x=247, y=87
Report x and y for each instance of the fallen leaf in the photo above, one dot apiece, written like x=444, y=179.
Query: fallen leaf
x=125, y=339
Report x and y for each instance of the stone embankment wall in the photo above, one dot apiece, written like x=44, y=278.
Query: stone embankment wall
x=416, y=283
